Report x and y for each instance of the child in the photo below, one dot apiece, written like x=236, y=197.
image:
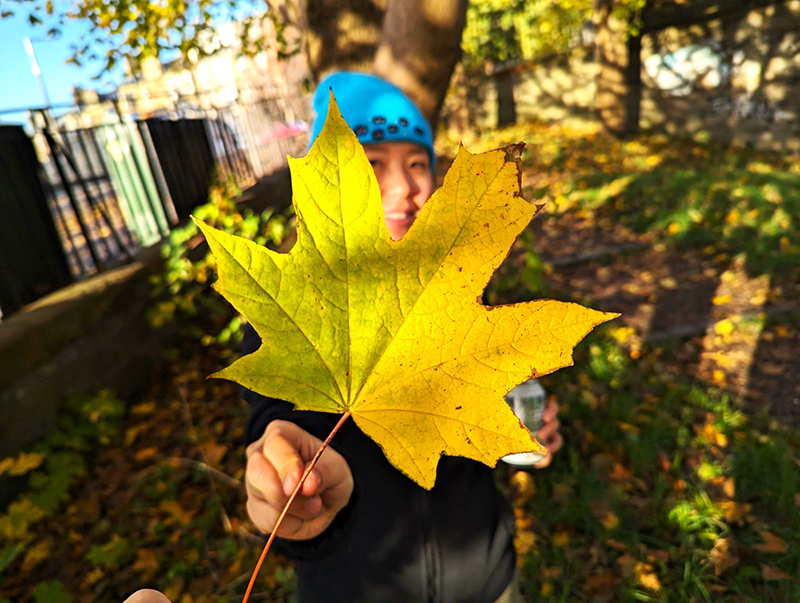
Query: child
x=361, y=530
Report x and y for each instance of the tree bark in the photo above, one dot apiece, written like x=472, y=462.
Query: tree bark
x=633, y=83
x=618, y=80
x=506, y=106
x=415, y=44
x=419, y=47
x=342, y=35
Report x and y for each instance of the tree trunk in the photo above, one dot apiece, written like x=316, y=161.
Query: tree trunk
x=415, y=44
x=506, y=106
x=342, y=35
x=419, y=48
x=619, y=89
x=633, y=81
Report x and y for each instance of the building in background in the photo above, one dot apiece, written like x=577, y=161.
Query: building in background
x=153, y=88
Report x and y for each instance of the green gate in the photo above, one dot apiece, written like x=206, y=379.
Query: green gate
x=139, y=201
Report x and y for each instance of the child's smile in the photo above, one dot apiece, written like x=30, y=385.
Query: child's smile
x=404, y=175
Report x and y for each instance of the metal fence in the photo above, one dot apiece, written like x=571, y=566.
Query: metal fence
x=32, y=261
x=108, y=190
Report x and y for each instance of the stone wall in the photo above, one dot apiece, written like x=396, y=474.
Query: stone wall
x=91, y=335
x=80, y=339
x=734, y=82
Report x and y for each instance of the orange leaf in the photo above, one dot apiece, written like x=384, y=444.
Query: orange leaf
x=646, y=577
x=146, y=562
x=214, y=452
x=146, y=453
x=772, y=543
x=770, y=572
x=553, y=572
x=620, y=546
x=722, y=555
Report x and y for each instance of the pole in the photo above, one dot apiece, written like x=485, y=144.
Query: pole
x=36, y=70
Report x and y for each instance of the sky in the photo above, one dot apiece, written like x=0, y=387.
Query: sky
x=19, y=87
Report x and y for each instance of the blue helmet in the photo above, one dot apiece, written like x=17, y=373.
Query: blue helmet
x=376, y=110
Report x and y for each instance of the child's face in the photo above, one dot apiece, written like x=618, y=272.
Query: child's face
x=403, y=171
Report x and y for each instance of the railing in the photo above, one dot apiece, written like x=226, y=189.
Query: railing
x=117, y=186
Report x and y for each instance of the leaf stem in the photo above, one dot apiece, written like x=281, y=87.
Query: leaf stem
x=296, y=491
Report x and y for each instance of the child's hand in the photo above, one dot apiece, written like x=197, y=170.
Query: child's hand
x=548, y=434
x=275, y=463
x=147, y=595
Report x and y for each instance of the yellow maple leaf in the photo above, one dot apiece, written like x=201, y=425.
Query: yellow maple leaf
x=394, y=332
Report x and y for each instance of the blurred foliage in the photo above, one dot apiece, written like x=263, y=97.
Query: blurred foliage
x=667, y=489
x=133, y=30
x=728, y=202
x=182, y=289
x=499, y=31
x=50, y=469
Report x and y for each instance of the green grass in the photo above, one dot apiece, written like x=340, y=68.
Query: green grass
x=666, y=486
x=680, y=467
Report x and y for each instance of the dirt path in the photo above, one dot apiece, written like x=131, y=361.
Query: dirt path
x=716, y=322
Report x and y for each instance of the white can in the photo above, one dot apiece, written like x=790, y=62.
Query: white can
x=528, y=401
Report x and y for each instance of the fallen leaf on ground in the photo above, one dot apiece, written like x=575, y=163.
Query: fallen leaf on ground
x=146, y=562
x=771, y=544
x=174, y=509
x=36, y=554
x=610, y=521
x=722, y=555
x=561, y=539
x=770, y=572
x=600, y=582
x=394, y=331
x=213, y=452
x=646, y=577
x=145, y=454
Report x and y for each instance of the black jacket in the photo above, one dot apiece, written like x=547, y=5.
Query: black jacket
x=395, y=541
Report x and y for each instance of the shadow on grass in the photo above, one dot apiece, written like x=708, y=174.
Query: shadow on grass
x=664, y=491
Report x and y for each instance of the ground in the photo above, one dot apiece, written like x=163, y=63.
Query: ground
x=679, y=480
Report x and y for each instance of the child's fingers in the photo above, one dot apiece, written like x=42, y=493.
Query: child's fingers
x=550, y=412
x=330, y=471
x=282, y=448
x=147, y=595
x=545, y=462
x=265, y=516
x=555, y=443
x=262, y=481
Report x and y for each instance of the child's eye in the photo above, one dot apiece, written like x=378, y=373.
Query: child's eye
x=420, y=164
x=375, y=163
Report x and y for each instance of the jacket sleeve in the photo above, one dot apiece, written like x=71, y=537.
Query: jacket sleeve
x=263, y=410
